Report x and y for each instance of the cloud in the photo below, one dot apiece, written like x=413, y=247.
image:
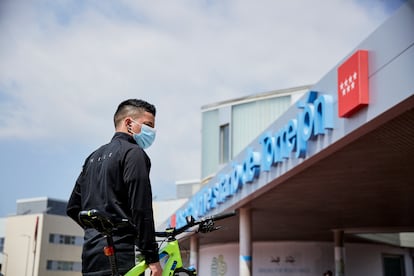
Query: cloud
x=66, y=65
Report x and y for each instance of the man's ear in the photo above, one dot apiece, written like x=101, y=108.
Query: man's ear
x=127, y=123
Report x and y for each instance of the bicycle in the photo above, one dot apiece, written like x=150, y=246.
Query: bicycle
x=169, y=249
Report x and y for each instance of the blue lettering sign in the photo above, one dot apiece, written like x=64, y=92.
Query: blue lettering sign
x=236, y=178
x=268, y=150
x=251, y=166
x=315, y=117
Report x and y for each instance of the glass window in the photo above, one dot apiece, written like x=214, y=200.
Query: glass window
x=63, y=265
x=393, y=265
x=224, y=143
x=65, y=239
x=69, y=239
x=49, y=265
x=1, y=244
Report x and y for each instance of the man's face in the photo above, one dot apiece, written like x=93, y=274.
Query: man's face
x=146, y=118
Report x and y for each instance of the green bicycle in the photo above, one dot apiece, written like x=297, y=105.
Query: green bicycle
x=169, y=249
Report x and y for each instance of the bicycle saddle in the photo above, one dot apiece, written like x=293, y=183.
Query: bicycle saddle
x=101, y=222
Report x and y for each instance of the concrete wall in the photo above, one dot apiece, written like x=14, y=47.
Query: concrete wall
x=29, y=256
x=299, y=258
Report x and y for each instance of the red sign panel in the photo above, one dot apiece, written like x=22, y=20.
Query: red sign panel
x=353, y=84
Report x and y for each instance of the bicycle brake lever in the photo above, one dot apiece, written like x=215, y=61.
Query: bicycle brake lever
x=217, y=228
x=208, y=226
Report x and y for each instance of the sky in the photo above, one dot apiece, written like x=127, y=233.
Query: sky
x=65, y=65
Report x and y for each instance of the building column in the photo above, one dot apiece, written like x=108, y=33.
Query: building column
x=194, y=248
x=339, y=253
x=245, y=262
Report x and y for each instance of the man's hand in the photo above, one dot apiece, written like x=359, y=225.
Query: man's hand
x=156, y=269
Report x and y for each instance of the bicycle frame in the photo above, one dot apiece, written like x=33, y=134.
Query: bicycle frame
x=171, y=250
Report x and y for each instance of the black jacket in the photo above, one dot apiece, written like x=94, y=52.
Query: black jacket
x=115, y=180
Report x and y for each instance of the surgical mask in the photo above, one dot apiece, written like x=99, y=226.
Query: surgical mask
x=146, y=137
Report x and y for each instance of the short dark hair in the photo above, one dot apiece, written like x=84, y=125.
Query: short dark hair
x=132, y=107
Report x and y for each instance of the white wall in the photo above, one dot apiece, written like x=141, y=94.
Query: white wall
x=164, y=209
x=309, y=259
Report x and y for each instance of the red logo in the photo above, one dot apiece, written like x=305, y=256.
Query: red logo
x=353, y=84
x=173, y=221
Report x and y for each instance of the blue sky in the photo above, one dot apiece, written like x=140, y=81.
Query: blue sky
x=65, y=66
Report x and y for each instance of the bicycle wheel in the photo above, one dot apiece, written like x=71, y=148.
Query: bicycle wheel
x=184, y=272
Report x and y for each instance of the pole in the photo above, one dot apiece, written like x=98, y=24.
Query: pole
x=245, y=262
x=339, y=253
x=194, y=247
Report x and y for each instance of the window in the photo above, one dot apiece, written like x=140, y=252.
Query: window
x=224, y=144
x=65, y=239
x=63, y=265
x=1, y=244
x=393, y=265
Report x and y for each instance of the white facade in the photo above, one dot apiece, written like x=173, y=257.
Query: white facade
x=299, y=258
x=42, y=244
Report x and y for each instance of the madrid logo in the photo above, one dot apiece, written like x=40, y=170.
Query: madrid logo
x=353, y=90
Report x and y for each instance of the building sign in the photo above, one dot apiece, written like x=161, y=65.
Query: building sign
x=218, y=266
x=353, y=84
x=315, y=116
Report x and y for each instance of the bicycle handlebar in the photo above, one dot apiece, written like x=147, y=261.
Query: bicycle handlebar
x=96, y=219
x=206, y=225
x=222, y=216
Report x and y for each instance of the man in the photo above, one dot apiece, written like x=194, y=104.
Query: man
x=115, y=180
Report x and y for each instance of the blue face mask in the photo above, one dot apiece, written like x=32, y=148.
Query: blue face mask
x=146, y=137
